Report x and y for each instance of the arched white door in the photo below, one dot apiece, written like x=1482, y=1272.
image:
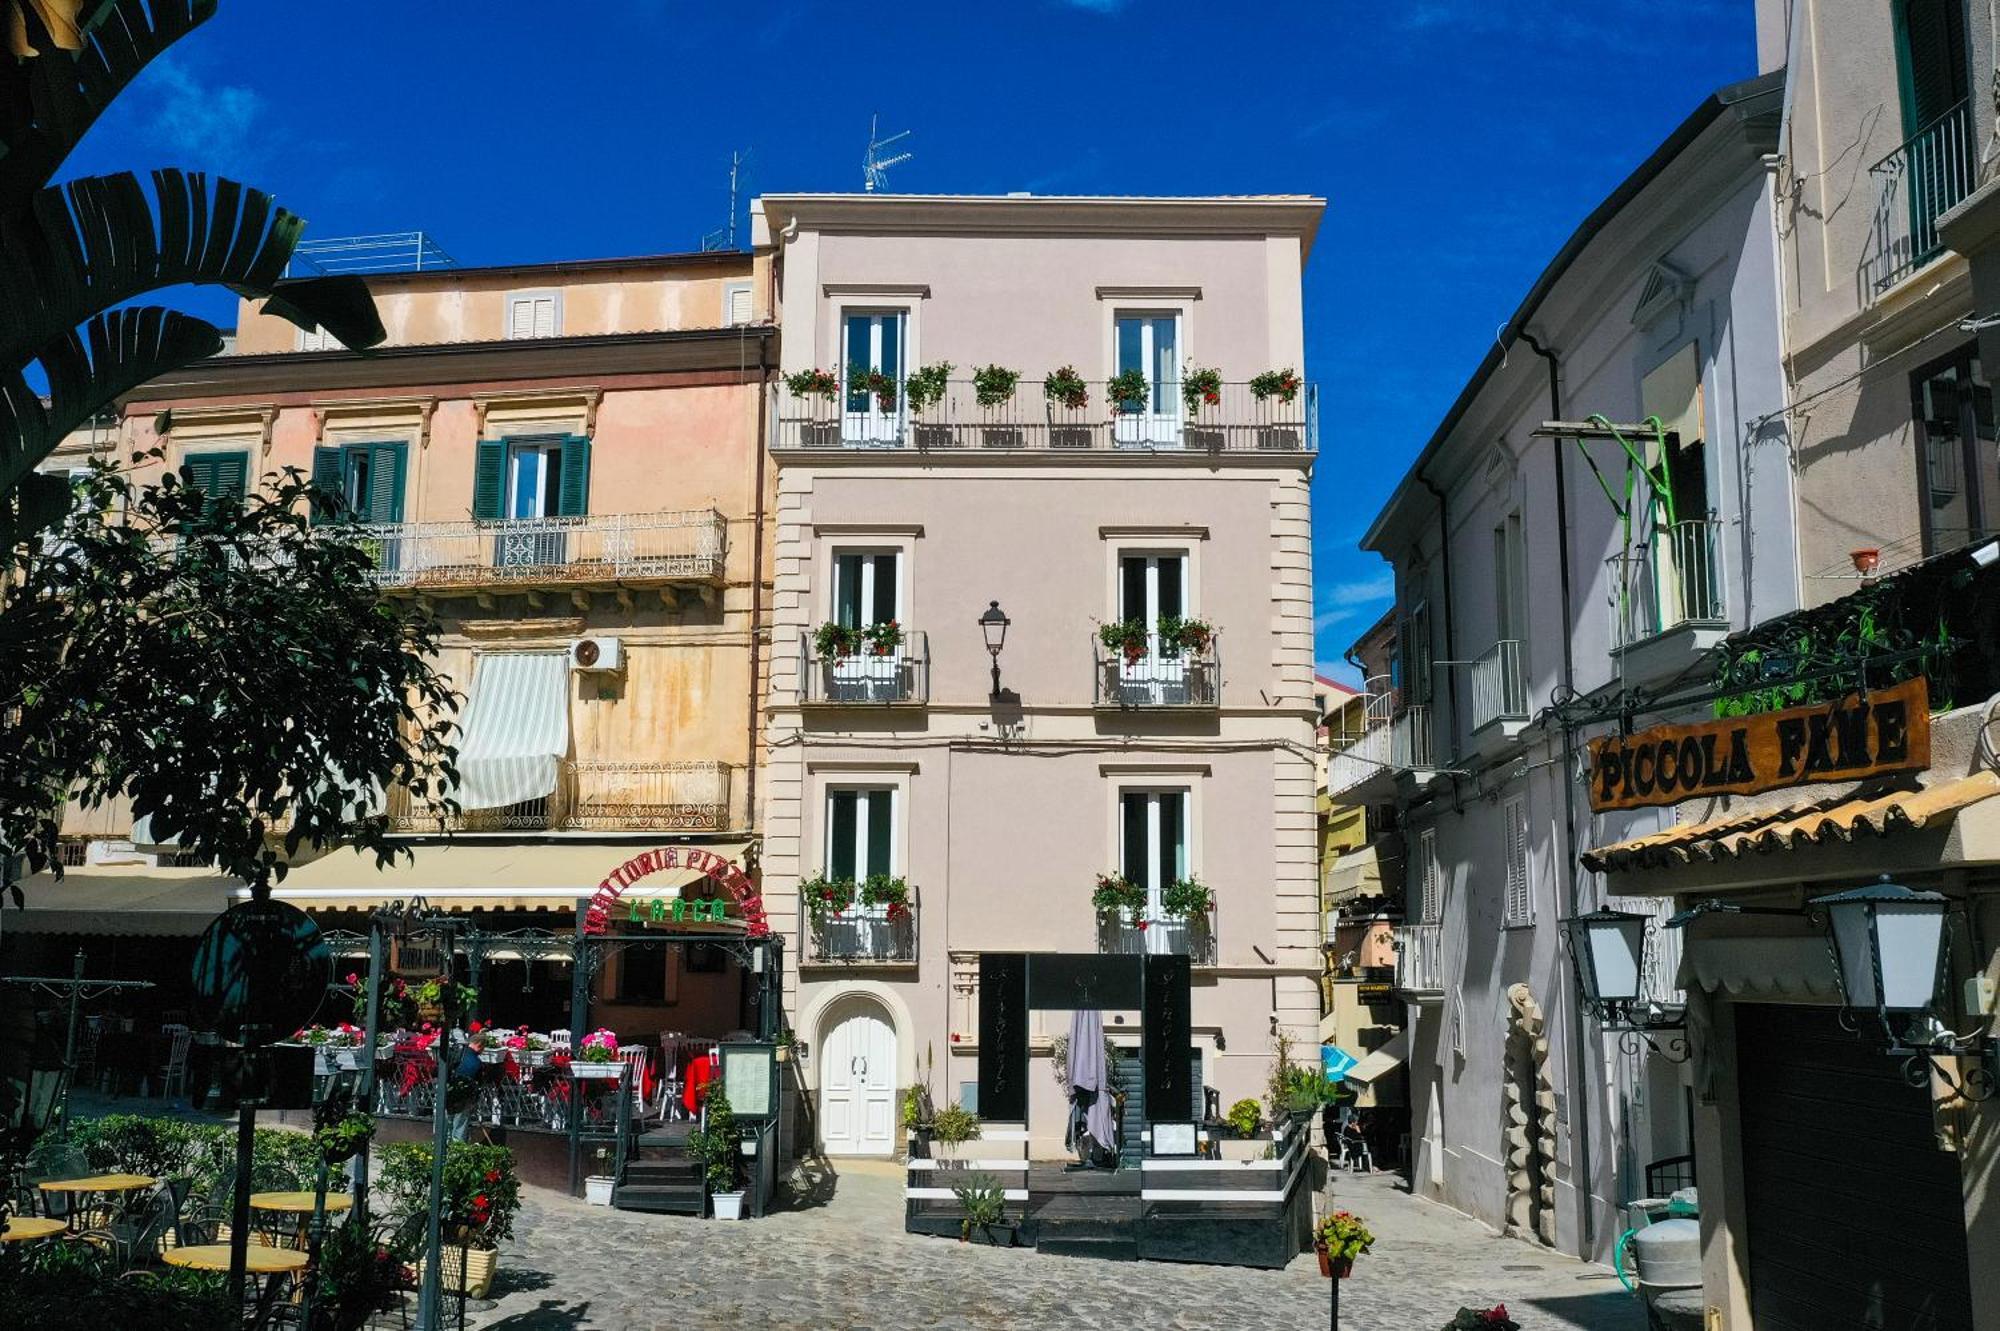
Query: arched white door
x=857, y=1083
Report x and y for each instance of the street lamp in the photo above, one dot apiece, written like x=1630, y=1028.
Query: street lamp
x=1888, y=946
x=993, y=624
x=1608, y=948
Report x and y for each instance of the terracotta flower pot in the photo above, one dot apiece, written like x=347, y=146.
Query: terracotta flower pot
x=1330, y=1267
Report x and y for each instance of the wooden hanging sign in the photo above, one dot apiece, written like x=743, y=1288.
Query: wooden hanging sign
x=1889, y=730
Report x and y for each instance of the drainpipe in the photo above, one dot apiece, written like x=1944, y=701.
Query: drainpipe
x=757, y=583
x=1450, y=634
x=1579, y=1064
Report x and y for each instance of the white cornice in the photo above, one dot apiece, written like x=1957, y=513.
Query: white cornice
x=943, y=214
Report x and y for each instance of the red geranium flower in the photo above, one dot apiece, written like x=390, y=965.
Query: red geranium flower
x=492, y=1176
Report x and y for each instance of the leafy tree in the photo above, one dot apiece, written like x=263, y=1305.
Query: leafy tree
x=74, y=257
x=228, y=663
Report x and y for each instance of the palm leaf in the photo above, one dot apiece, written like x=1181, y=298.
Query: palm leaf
x=95, y=243
x=49, y=101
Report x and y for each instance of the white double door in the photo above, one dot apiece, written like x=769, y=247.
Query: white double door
x=857, y=1090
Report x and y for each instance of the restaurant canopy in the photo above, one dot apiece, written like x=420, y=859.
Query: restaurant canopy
x=122, y=900
x=516, y=729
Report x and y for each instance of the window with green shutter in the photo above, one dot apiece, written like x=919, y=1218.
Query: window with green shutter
x=217, y=475
x=368, y=477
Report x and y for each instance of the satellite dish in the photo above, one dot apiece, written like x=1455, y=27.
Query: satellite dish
x=260, y=972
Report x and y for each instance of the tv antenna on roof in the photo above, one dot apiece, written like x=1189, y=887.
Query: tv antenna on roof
x=875, y=167
x=724, y=237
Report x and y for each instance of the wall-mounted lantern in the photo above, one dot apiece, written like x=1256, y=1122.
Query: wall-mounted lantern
x=993, y=624
x=1608, y=948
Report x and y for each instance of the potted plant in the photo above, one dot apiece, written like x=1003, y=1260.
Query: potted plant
x=864, y=379
x=993, y=385
x=360, y=1275
x=881, y=889
x=530, y=1050
x=339, y=1129
x=1128, y=390
x=1179, y=634
x=1243, y=1118
x=823, y=384
x=827, y=898
x=1186, y=899
x=1338, y=1240
x=835, y=642
x=883, y=639
x=597, y=1188
x=982, y=1205
x=597, y=1057
x=925, y=388
x=477, y=1205
x=1066, y=388
x=1200, y=387
x=438, y=998
x=1483, y=1319
x=953, y=1125
x=714, y=1144
x=787, y=1044
x=1126, y=637
x=1117, y=895
x=1280, y=384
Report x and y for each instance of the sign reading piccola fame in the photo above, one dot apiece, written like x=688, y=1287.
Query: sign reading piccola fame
x=1861, y=735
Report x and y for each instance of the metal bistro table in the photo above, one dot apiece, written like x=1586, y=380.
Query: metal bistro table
x=299, y=1206
x=109, y=1185
x=30, y=1228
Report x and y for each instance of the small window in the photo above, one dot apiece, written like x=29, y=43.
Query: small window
x=1427, y=879
x=736, y=303
x=534, y=314
x=867, y=587
x=1153, y=842
x=860, y=832
x=1510, y=576
x=218, y=475
x=642, y=976
x=317, y=340
x=1415, y=654
x=1518, y=907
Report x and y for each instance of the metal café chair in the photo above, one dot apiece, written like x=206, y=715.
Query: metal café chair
x=670, y=1077
x=636, y=1057
x=173, y=1077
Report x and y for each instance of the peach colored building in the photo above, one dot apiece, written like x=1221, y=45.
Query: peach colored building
x=942, y=466
x=565, y=461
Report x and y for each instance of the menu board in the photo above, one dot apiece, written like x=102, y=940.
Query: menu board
x=748, y=1076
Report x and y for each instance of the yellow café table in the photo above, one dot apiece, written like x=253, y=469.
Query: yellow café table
x=28, y=1228
x=299, y=1204
x=107, y=1184
x=258, y=1260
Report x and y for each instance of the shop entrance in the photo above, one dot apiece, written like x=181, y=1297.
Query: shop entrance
x=1855, y=1218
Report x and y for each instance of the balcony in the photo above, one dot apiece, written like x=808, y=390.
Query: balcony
x=1193, y=938
x=1915, y=185
x=1500, y=689
x=1358, y=770
x=866, y=676
x=594, y=550
x=1667, y=604
x=1420, y=961
x=1161, y=677
x=862, y=936
x=1030, y=421
x=597, y=796
x=1410, y=744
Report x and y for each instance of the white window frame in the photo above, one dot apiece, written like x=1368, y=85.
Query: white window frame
x=316, y=340
x=1517, y=899
x=515, y=299
x=867, y=552
x=862, y=786
x=730, y=290
x=1161, y=425
x=547, y=454
x=1187, y=781
x=871, y=426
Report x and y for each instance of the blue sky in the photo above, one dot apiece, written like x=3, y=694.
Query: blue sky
x=1457, y=144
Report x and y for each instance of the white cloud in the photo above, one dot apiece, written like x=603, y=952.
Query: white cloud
x=1342, y=601
x=212, y=126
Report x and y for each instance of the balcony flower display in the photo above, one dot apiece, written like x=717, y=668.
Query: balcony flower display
x=881, y=889
x=883, y=639
x=862, y=379
x=1189, y=635
x=1129, y=390
x=444, y=996
x=814, y=383
x=1116, y=894
x=926, y=387
x=600, y=1046
x=1126, y=636
x=827, y=898
x=1186, y=899
x=1280, y=384
x=1201, y=387
x=1065, y=388
x=1339, y=1239
x=993, y=385
x=835, y=642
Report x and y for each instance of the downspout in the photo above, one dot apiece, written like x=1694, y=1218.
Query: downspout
x=1450, y=635
x=757, y=584
x=1580, y=1065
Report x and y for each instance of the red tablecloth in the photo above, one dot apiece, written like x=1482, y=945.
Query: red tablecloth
x=699, y=1074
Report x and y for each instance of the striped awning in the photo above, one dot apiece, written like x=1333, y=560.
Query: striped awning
x=1732, y=836
x=516, y=729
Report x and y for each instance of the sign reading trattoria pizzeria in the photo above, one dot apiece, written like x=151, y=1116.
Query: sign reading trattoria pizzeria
x=1888, y=730
x=724, y=873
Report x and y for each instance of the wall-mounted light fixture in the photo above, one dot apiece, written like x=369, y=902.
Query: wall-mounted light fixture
x=1608, y=948
x=993, y=624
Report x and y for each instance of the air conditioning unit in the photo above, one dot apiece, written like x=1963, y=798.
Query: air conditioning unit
x=596, y=654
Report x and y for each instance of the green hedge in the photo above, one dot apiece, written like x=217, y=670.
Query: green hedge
x=283, y=1160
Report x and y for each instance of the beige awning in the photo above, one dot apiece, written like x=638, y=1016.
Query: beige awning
x=1357, y=873
x=481, y=875
x=124, y=900
x=1382, y=1061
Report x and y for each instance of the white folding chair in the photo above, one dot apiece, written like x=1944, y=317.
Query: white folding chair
x=635, y=1057
x=559, y=1040
x=173, y=1077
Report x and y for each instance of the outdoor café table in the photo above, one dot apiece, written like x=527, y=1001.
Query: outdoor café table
x=28, y=1228
x=108, y=1184
x=299, y=1205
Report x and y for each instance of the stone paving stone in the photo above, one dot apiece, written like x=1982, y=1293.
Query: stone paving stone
x=848, y=1264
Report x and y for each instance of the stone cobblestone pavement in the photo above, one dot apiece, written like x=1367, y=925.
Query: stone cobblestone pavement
x=848, y=1263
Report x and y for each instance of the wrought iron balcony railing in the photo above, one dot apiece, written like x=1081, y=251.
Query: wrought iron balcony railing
x=1915, y=185
x=1674, y=580
x=863, y=936
x=1420, y=958
x=1161, y=676
x=1411, y=748
x=597, y=796
x=867, y=675
x=1193, y=937
x=1236, y=420
x=1499, y=685
x=603, y=548
x=1359, y=756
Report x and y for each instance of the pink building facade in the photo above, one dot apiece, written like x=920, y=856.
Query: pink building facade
x=1043, y=407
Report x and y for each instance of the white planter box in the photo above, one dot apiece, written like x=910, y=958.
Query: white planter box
x=597, y=1189
x=728, y=1205
x=348, y=1060
x=595, y=1071
x=493, y=1055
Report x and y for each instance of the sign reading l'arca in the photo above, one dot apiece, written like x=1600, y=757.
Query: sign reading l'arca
x=1888, y=730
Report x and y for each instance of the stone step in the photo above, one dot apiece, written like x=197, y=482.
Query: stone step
x=681, y=1171
x=679, y=1199
x=1104, y=1249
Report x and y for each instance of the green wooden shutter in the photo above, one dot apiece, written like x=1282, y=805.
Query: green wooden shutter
x=881, y=829
x=386, y=464
x=232, y=475
x=1933, y=59
x=326, y=477
x=841, y=808
x=489, y=480
x=574, y=501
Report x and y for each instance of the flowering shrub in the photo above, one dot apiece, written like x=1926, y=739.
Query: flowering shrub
x=1115, y=893
x=834, y=641
x=884, y=638
x=813, y=383
x=881, y=889
x=926, y=387
x=1280, y=384
x=480, y=1197
x=1128, y=390
x=1065, y=388
x=1201, y=388
x=994, y=384
x=1344, y=1236
x=865, y=379
x=1483, y=1319
x=523, y=1040
x=1186, y=898
x=827, y=898
x=600, y=1046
